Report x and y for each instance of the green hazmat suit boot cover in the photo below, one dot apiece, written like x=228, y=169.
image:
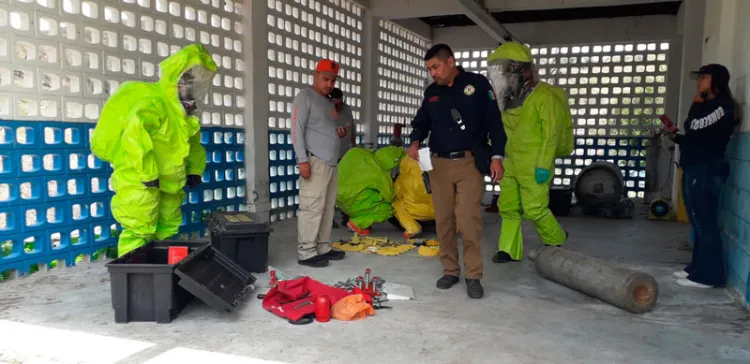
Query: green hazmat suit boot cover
x=146, y=135
x=539, y=130
x=365, y=188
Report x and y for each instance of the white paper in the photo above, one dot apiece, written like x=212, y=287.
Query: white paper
x=398, y=292
x=425, y=160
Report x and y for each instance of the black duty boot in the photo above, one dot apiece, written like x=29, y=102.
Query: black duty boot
x=318, y=261
x=474, y=288
x=334, y=255
x=447, y=281
x=502, y=257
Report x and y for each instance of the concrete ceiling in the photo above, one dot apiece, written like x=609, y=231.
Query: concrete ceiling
x=404, y=9
x=520, y=5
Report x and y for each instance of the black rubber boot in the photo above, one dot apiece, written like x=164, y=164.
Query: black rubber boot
x=503, y=257
x=566, y=240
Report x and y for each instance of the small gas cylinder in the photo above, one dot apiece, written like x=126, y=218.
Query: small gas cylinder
x=323, y=308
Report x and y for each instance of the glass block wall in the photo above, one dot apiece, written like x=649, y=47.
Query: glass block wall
x=402, y=78
x=301, y=32
x=59, y=62
x=616, y=92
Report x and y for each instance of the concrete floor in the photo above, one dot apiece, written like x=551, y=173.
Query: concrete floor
x=522, y=319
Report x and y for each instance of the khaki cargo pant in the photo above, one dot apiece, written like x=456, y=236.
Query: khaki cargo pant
x=457, y=190
x=317, y=199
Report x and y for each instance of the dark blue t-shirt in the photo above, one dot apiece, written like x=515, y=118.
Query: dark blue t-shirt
x=708, y=127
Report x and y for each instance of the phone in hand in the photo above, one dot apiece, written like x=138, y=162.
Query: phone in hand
x=668, y=124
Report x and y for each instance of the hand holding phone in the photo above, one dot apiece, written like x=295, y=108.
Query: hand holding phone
x=668, y=124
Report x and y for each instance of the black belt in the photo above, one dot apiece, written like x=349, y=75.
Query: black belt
x=452, y=155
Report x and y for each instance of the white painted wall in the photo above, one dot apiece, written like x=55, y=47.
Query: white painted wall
x=655, y=27
x=727, y=41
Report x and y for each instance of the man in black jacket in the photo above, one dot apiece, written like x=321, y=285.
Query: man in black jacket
x=459, y=111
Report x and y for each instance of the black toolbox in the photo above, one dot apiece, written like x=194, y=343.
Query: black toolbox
x=243, y=237
x=145, y=288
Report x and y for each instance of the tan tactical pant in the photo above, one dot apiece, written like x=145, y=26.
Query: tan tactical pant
x=457, y=189
x=317, y=198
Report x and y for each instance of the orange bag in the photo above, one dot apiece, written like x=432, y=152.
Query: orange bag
x=352, y=308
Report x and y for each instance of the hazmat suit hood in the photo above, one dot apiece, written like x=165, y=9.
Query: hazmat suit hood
x=145, y=101
x=188, y=73
x=505, y=70
x=389, y=157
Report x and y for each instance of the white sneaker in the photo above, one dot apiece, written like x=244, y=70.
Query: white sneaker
x=680, y=274
x=688, y=283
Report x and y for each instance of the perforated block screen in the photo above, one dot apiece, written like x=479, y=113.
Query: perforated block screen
x=616, y=91
x=59, y=62
x=300, y=33
x=402, y=78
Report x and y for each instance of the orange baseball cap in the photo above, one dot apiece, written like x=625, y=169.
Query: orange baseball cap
x=327, y=65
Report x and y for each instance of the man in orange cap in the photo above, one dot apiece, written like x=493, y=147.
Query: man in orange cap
x=316, y=140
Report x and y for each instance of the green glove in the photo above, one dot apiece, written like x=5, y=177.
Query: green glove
x=542, y=175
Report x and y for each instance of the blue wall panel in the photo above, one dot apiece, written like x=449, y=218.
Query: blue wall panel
x=55, y=195
x=734, y=215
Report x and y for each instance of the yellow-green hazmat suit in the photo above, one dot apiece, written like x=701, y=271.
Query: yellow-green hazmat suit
x=152, y=141
x=365, y=188
x=539, y=126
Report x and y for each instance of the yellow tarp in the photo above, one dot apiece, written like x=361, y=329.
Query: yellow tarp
x=384, y=246
x=374, y=245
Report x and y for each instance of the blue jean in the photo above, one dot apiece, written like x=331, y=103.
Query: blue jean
x=701, y=184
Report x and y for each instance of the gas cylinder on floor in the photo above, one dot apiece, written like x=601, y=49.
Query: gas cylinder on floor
x=323, y=308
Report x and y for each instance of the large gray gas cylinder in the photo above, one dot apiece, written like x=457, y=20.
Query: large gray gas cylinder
x=628, y=289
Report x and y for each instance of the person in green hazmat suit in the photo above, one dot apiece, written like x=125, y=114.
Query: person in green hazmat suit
x=150, y=133
x=537, y=120
x=365, y=188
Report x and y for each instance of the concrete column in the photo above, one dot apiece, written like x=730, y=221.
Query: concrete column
x=256, y=108
x=370, y=37
x=718, y=43
x=692, y=27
